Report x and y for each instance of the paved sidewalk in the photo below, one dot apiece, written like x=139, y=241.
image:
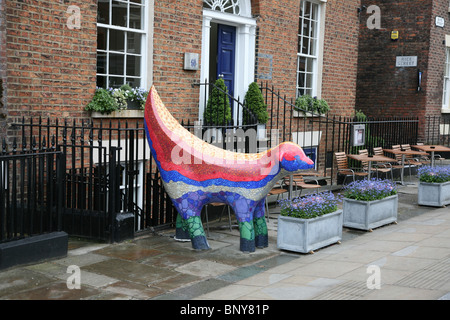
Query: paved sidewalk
x=412, y=259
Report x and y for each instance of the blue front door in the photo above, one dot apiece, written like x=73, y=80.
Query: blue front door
x=226, y=56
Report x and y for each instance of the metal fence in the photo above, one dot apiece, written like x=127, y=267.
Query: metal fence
x=107, y=167
x=30, y=194
x=437, y=130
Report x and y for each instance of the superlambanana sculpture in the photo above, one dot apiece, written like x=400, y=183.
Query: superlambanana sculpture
x=195, y=173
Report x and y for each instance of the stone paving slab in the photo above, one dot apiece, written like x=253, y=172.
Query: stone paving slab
x=413, y=258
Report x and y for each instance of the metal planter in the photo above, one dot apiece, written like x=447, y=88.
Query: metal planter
x=434, y=194
x=306, y=235
x=367, y=215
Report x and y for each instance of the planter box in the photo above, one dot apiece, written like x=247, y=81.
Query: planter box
x=366, y=215
x=434, y=194
x=306, y=235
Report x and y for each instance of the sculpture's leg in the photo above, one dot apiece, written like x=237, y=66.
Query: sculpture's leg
x=182, y=229
x=244, y=209
x=259, y=222
x=189, y=224
x=197, y=234
x=247, y=232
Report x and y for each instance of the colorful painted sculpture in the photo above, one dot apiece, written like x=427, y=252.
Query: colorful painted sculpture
x=195, y=173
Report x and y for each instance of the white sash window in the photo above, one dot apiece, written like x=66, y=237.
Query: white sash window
x=121, y=44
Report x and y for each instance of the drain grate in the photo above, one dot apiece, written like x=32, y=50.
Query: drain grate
x=432, y=277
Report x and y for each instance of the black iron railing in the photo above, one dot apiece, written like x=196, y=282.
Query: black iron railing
x=30, y=194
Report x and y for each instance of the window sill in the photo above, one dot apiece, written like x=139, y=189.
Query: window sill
x=119, y=114
x=446, y=111
x=301, y=114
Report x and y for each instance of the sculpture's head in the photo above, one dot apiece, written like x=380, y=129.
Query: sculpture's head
x=293, y=158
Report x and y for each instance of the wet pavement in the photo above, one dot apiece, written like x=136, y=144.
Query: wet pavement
x=412, y=258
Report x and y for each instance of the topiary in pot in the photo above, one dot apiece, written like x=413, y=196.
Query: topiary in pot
x=254, y=101
x=102, y=102
x=218, y=110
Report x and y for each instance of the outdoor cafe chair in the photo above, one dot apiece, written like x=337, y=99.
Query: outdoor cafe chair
x=344, y=169
x=299, y=183
x=436, y=156
x=375, y=166
x=421, y=160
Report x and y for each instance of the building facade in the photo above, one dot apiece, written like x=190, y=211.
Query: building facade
x=55, y=53
x=403, y=64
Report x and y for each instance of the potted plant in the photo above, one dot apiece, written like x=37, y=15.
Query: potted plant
x=255, y=107
x=434, y=186
x=135, y=97
x=312, y=105
x=217, y=112
x=218, y=109
x=369, y=204
x=107, y=101
x=102, y=102
x=308, y=223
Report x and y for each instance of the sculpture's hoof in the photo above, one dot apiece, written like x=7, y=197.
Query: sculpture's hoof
x=247, y=245
x=262, y=241
x=182, y=235
x=200, y=243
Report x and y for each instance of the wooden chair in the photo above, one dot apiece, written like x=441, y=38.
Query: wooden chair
x=344, y=169
x=408, y=160
x=276, y=190
x=299, y=183
x=436, y=156
x=375, y=166
x=419, y=161
x=392, y=165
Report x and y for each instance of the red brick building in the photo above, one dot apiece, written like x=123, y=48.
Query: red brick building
x=55, y=53
x=390, y=68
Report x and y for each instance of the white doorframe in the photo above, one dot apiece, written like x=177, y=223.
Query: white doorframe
x=245, y=53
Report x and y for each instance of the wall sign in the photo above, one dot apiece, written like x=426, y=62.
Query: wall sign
x=191, y=61
x=358, y=135
x=440, y=22
x=406, y=61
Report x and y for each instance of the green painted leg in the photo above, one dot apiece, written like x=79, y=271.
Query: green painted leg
x=182, y=229
x=197, y=234
x=247, y=232
x=261, y=233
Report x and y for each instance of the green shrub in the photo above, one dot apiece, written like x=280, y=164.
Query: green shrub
x=102, y=102
x=254, y=101
x=218, y=110
x=306, y=103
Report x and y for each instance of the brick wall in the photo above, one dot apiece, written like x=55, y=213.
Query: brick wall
x=383, y=89
x=3, y=111
x=51, y=69
x=341, y=56
x=277, y=46
x=436, y=59
x=177, y=29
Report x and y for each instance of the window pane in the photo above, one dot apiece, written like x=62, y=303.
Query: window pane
x=101, y=81
x=116, y=82
x=134, y=82
x=133, y=66
x=101, y=62
x=134, y=42
x=116, y=63
x=116, y=40
x=102, y=36
x=103, y=11
x=135, y=17
x=119, y=14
